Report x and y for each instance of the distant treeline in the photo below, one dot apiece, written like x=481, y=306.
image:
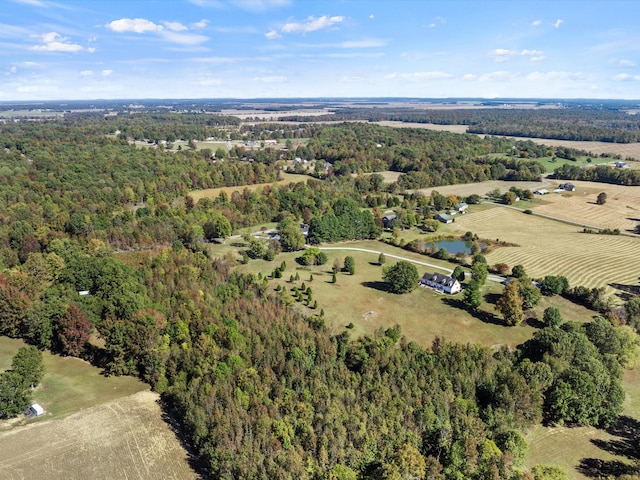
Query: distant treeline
x=562, y=124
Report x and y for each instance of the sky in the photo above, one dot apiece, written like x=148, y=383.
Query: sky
x=139, y=49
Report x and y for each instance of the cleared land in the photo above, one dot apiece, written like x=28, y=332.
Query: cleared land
x=622, y=209
x=124, y=438
x=423, y=314
x=93, y=427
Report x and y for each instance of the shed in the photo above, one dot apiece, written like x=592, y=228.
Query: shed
x=444, y=218
x=569, y=187
x=36, y=410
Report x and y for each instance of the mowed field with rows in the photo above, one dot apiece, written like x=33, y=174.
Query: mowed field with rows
x=548, y=247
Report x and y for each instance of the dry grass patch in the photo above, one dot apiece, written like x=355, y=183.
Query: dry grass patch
x=124, y=438
x=481, y=188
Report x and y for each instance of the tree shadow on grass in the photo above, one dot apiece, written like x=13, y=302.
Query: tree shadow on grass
x=626, y=292
x=486, y=317
x=197, y=464
x=627, y=431
x=378, y=285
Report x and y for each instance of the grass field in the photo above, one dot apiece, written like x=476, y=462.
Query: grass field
x=548, y=247
x=621, y=210
x=423, y=314
x=93, y=427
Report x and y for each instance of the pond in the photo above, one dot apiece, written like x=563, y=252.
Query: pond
x=454, y=246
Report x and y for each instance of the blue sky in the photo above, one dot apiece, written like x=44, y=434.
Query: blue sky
x=94, y=49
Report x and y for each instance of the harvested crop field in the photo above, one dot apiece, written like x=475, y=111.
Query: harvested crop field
x=549, y=247
x=481, y=188
x=125, y=438
x=621, y=210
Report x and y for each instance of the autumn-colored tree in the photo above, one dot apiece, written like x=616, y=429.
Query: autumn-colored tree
x=73, y=331
x=510, y=304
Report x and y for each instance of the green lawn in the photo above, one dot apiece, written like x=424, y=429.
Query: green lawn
x=71, y=384
x=361, y=299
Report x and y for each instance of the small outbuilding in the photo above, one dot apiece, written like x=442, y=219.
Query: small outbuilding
x=35, y=410
x=444, y=218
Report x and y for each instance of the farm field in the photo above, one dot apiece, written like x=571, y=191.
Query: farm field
x=123, y=438
x=481, y=188
x=93, y=427
x=622, y=209
x=549, y=247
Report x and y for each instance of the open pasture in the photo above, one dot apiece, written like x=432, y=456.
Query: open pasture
x=621, y=210
x=549, y=247
x=423, y=314
x=480, y=188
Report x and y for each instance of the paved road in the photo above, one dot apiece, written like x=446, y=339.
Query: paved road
x=493, y=278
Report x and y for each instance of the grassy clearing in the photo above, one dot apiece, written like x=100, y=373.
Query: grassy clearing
x=71, y=384
x=423, y=314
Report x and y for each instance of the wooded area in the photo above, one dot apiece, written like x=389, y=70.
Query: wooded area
x=260, y=389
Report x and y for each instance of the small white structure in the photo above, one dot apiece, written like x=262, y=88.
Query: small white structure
x=443, y=283
x=84, y=293
x=36, y=410
x=542, y=191
x=621, y=165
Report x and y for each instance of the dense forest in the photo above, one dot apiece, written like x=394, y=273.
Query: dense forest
x=261, y=390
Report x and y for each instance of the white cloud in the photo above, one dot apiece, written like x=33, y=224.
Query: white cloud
x=53, y=42
x=553, y=75
x=201, y=24
x=107, y=72
x=558, y=23
x=86, y=73
x=419, y=76
x=626, y=63
x=175, y=26
x=623, y=77
x=363, y=44
x=352, y=78
x=260, y=5
x=11, y=71
x=500, y=76
x=536, y=23
x=271, y=79
x=501, y=55
x=371, y=16
x=312, y=24
x=135, y=25
x=272, y=35
x=183, y=38
x=469, y=77
x=531, y=52
x=538, y=59
x=432, y=25
x=170, y=31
